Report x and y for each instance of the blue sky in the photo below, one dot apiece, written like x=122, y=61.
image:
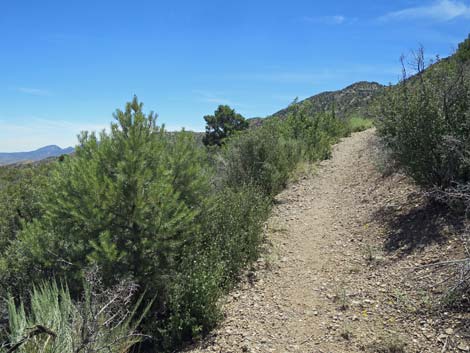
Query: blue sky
x=65, y=66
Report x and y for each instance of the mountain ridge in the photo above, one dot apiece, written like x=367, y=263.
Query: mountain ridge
x=352, y=99
x=33, y=156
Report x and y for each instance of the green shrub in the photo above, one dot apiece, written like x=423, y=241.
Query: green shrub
x=20, y=192
x=326, y=130
x=356, y=124
x=233, y=229
x=262, y=157
x=192, y=308
x=426, y=123
x=229, y=240
x=315, y=134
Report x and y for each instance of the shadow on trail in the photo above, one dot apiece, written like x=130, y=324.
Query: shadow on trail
x=414, y=229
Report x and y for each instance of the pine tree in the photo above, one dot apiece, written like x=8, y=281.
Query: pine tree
x=224, y=123
x=125, y=202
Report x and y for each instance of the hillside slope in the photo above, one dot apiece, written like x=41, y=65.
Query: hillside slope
x=355, y=99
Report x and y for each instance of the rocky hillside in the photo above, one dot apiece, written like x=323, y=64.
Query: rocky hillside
x=352, y=100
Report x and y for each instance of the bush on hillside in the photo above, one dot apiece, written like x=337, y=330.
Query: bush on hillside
x=314, y=133
x=262, y=157
x=233, y=229
x=356, y=124
x=426, y=123
x=20, y=192
x=230, y=239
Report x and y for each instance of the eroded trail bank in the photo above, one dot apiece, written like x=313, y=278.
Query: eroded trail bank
x=323, y=286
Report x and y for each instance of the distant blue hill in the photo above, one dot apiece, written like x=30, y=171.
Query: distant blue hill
x=33, y=156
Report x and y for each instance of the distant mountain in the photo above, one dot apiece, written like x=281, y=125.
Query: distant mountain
x=352, y=100
x=33, y=156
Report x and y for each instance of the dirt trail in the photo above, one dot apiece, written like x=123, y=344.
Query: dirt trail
x=315, y=292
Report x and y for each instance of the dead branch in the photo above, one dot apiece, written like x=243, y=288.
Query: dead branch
x=35, y=331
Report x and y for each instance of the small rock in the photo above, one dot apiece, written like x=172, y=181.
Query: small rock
x=463, y=347
x=442, y=338
x=449, y=331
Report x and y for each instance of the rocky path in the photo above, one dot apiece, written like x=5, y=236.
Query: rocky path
x=314, y=290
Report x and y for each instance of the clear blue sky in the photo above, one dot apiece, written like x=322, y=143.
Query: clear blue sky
x=65, y=66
